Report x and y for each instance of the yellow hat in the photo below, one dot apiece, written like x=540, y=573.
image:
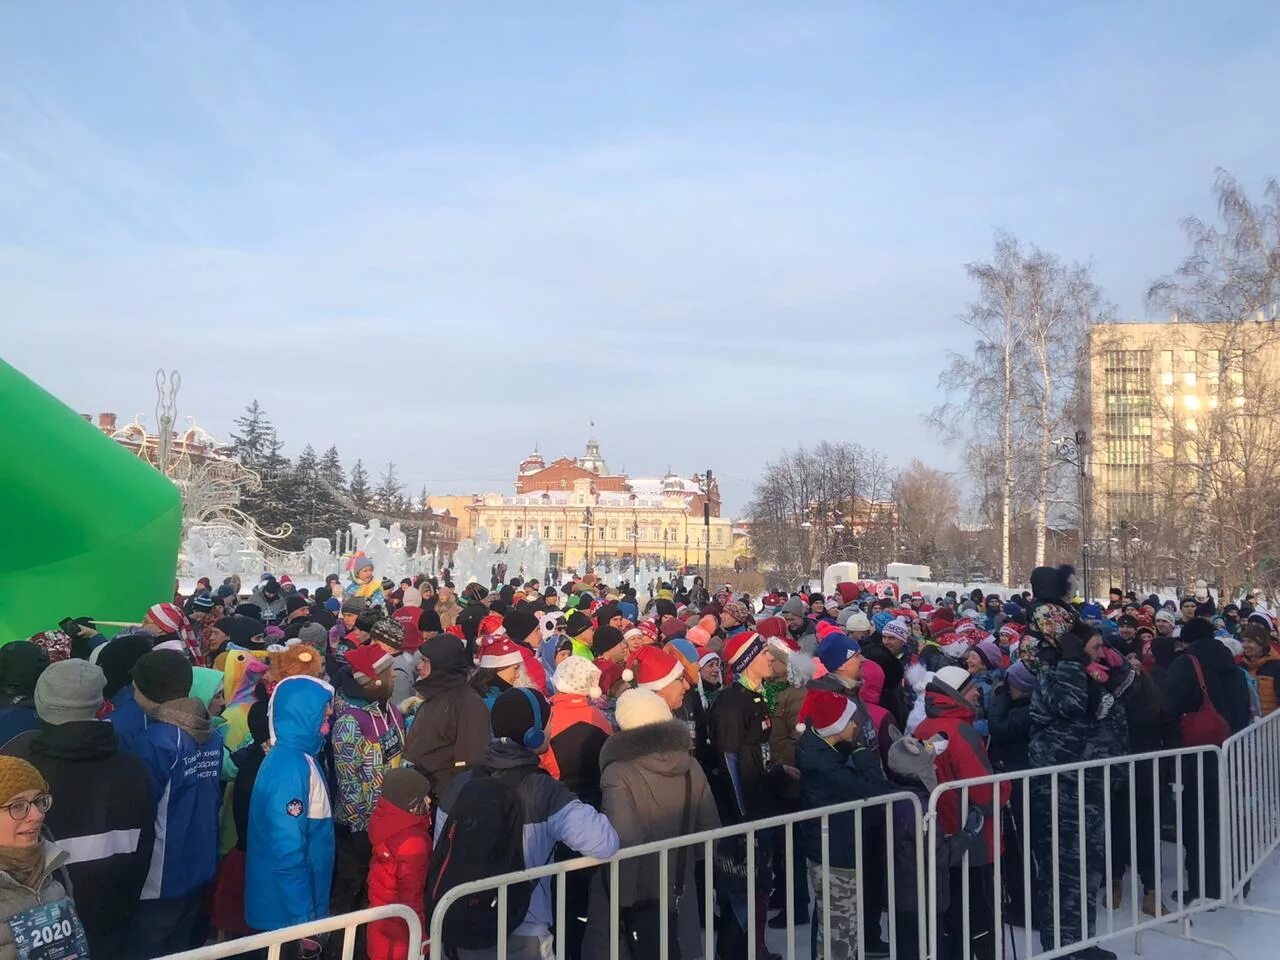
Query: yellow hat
x=16, y=775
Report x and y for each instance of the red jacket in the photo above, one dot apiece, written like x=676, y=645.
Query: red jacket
x=397, y=874
x=966, y=757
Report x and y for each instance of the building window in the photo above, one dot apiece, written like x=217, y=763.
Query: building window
x=519, y=529
x=546, y=531
x=559, y=532
x=506, y=533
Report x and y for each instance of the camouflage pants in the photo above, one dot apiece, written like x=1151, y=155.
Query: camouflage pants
x=844, y=913
x=1076, y=916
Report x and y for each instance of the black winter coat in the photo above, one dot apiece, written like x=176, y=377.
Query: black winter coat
x=1228, y=689
x=893, y=696
x=450, y=731
x=104, y=817
x=1009, y=723
x=837, y=775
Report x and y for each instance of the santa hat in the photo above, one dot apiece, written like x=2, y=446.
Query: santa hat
x=652, y=669
x=829, y=712
x=742, y=648
x=898, y=629
x=367, y=662
x=284, y=581
x=578, y=675
x=705, y=656
x=490, y=625
x=649, y=629
x=635, y=633
x=610, y=673
x=499, y=651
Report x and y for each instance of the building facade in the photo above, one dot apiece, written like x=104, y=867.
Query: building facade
x=584, y=512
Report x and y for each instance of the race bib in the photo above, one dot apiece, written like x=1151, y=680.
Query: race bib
x=50, y=931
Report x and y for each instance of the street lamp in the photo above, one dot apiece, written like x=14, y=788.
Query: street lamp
x=587, y=526
x=1072, y=450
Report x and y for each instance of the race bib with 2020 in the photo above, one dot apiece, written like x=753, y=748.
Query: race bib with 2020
x=50, y=931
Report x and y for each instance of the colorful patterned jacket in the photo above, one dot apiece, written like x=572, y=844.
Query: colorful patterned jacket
x=367, y=739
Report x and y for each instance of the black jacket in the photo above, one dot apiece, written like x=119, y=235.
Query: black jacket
x=893, y=697
x=450, y=731
x=248, y=761
x=739, y=726
x=1009, y=722
x=830, y=775
x=104, y=817
x=1228, y=689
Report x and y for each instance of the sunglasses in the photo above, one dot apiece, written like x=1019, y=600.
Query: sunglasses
x=20, y=809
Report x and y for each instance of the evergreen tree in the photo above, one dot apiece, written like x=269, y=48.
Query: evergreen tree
x=251, y=444
x=389, y=495
x=333, y=515
x=359, y=488
x=310, y=501
x=331, y=468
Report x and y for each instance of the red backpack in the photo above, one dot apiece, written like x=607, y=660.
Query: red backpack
x=1206, y=726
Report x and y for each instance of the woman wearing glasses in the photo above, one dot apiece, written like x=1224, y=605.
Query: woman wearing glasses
x=36, y=913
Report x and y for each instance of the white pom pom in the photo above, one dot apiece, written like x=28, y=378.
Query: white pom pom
x=628, y=675
x=801, y=727
x=595, y=693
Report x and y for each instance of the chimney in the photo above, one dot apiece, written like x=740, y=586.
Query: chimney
x=107, y=422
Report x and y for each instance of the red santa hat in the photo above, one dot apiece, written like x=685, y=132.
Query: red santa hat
x=742, y=648
x=775, y=628
x=829, y=712
x=284, y=581
x=649, y=629
x=652, y=669
x=499, y=651
x=367, y=662
x=490, y=625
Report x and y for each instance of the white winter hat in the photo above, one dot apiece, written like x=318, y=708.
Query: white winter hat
x=578, y=675
x=953, y=677
x=639, y=708
x=858, y=622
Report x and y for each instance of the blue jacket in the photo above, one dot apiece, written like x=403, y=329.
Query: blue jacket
x=126, y=716
x=289, y=855
x=184, y=764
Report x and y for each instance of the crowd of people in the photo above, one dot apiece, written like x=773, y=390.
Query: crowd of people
x=248, y=759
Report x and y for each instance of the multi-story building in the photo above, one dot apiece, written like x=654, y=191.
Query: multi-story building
x=582, y=511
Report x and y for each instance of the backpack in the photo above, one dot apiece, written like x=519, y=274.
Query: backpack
x=484, y=837
x=1206, y=726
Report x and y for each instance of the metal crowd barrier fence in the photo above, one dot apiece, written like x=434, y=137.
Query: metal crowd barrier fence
x=276, y=940
x=1251, y=804
x=866, y=818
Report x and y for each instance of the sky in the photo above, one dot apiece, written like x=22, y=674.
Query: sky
x=441, y=234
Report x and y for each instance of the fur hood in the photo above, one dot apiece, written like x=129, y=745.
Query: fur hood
x=649, y=741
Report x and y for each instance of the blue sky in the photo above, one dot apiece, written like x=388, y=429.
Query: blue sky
x=442, y=233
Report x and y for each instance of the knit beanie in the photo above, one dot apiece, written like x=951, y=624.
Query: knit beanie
x=18, y=776
x=639, y=708
x=1020, y=677
x=21, y=664
x=520, y=622
x=1195, y=629
x=835, y=650
x=898, y=629
x=354, y=605
x=163, y=675
x=578, y=675
x=794, y=606
x=68, y=691
x=118, y=657
x=388, y=632
x=604, y=639
x=578, y=623
x=512, y=714
x=990, y=653
x=404, y=786
x=295, y=603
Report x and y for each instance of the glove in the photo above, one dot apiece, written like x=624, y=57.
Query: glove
x=974, y=822
x=1098, y=672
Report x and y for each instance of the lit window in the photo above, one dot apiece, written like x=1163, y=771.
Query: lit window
x=1189, y=357
x=1189, y=378
x=1167, y=378
x=1191, y=401
x=1239, y=401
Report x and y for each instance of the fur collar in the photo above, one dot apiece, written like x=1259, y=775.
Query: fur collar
x=671, y=736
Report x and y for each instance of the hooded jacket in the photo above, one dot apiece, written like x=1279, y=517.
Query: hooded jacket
x=275, y=609
x=948, y=713
x=836, y=774
x=107, y=831
x=367, y=739
x=126, y=715
x=450, y=731
x=183, y=757
x=870, y=694
x=289, y=860
x=401, y=844
x=1009, y=721
x=15, y=896
x=552, y=814
x=21, y=664
x=1228, y=689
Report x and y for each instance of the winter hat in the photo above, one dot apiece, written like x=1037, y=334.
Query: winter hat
x=610, y=673
x=297, y=659
x=769, y=627
x=673, y=627
x=117, y=658
x=354, y=605
x=367, y=662
x=163, y=675
x=499, y=652
x=205, y=684
x=652, y=669
x=68, y=691
x=578, y=675
x=241, y=630
x=1165, y=615
x=953, y=677
x=826, y=711
x=858, y=621
x=512, y=714
x=360, y=563
x=640, y=708
x=549, y=622
x=742, y=648
x=705, y=656
x=296, y=602
x=826, y=628
x=404, y=786
x=1020, y=677
x=990, y=653
x=913, y=760
x=412, y=597
x=605, y=639
x=1090, y=611
x=1264, y=618
x=898, y=629
x=520, y=622
x=17, y=776
x=579, y=623
x=1195, y=629
x=881, y=619
x=794, y=606
x=836, y=650
x=201, y=603
x=388, y=631
x=737, y=610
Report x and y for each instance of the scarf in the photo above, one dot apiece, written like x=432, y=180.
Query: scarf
x=24, y=864
x=187, y=714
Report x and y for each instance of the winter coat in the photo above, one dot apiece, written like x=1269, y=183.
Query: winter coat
x=1266, y=673
x=552, y=814
x=106, y=827
x=289, y=856
x=1228, y=691
x=740, y=726
x=401, y=844
x=270, y=609
x=947, y=712
x=1060, y=718
x=784, y=737
x=643, y=778
x=576, y=733
x=248, y=763
x=893, y=695
x=870, y=695
x=450, y=731
x=17, y=719
x=183, y=757
x=836, y=774
x=16, y=897
x=126, y=716
x=1145, y=721
x=367, y=739
x=1009, y=722
x=404, y=667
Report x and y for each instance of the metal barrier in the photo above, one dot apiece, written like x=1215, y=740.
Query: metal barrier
x=1251, y=804
x=1067, y=807
x=864, y=817
x=274, y=940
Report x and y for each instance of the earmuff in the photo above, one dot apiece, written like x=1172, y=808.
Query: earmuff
x=536, y=736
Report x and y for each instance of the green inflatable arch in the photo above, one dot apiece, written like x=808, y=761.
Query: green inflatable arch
x=89, y=528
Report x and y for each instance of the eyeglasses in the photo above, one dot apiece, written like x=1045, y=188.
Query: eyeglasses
x=20, y=809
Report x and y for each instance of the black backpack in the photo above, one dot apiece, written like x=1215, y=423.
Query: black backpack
x=483, y=837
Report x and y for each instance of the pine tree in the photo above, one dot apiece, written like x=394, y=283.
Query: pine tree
x=389, y=494
x=331, y=468
x=309, y=504
x=359, y=487
x=332, y=517
x=253, y=441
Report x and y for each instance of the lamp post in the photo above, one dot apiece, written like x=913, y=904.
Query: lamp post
x=706, y=524
x=587, y=526
x=1072, y=450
